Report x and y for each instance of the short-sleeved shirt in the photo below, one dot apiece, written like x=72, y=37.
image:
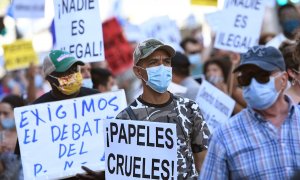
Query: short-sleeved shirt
x=251, y=147
x=192, y=131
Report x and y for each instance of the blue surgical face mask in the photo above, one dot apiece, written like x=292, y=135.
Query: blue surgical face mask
x=87, y=83
x=261, y=96
x=38, y=81
x=194, y=59
x=8, y=123
x=159, y=78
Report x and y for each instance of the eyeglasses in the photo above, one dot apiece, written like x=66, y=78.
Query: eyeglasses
x=261, y=77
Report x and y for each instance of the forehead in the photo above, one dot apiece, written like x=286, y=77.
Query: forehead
x=5, y=107
x=156, y=54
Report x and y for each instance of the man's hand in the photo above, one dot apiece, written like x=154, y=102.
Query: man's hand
x=91, y=175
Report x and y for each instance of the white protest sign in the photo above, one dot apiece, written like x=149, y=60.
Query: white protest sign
x=240, y=26
x=164, y=29
x=140, y=150
x=57, y=138
x=28, y=8
x=215, y=105
x=78, y=28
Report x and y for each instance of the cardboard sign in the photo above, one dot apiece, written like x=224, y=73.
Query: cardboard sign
x=139, y=149
x=118, y=52
x=19, y=55
x=164, y=29
x=28, y=8
x=240, y=30
x=204, y=2
x=78, y=29
x=57, y=138
x=215, y=105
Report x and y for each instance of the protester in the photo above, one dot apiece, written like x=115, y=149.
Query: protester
x=181, y=75
x=85, y=71
x=61, y=70
x=288, y=51
x=152, y=60
x=261, y=141
x=103, y=80
x=289, y=20
x=10, y=164
x=193, y=50
x=216, y=72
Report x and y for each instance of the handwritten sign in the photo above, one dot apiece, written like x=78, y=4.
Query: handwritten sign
x=57, y=138
x=240, y=30
x=78, y=29
x=215, y=105
x=164, y=29
x=28, y=8
x=139, y=149
x=118, y=52
x=19, y=55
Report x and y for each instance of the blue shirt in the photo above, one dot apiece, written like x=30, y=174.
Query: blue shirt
x=249, y=147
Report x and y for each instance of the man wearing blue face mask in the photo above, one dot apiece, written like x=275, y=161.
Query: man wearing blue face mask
x=262, y=141
x=152, y=60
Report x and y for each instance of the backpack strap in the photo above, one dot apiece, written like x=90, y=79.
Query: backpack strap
x=131, y=113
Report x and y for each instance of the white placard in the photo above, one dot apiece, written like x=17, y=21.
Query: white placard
x=215, y=105
x=140, y=150
x=57, y=138
x=164, y=29
x=28, y=8
x=240, y=26
x=78, y=29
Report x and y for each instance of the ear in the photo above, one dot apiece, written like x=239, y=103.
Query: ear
x=284, y=79
x=138, y=72
x=102, y=88
x=291, y=73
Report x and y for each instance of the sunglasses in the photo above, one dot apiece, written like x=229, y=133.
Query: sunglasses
x=261, y=77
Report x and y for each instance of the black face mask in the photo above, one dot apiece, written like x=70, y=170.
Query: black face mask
x=289, y=27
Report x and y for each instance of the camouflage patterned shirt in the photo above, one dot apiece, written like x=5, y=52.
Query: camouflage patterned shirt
x=192, y=131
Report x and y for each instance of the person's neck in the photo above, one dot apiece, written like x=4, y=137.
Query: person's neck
x=178, y=79
x=152, y=97
x=60, y=96
x=277, y=113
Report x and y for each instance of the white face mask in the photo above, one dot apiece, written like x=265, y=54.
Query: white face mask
x=87, y=83
x=114, y=88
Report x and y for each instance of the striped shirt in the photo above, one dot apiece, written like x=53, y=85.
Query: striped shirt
x=249, y=147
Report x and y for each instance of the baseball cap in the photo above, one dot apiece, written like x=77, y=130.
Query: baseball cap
x=266, y=58
x=147, y=47
x=59, y=61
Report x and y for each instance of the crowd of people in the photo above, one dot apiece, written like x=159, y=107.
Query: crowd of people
x=261, y=140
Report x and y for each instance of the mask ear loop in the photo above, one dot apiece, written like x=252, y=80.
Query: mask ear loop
x=142, y=76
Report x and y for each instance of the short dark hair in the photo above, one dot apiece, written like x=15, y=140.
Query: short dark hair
x=180, y=65
x=186, y=40
x=287, y=6
x=224, y=64
x=14, y=101
x=100, y=76
x=288, y=49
